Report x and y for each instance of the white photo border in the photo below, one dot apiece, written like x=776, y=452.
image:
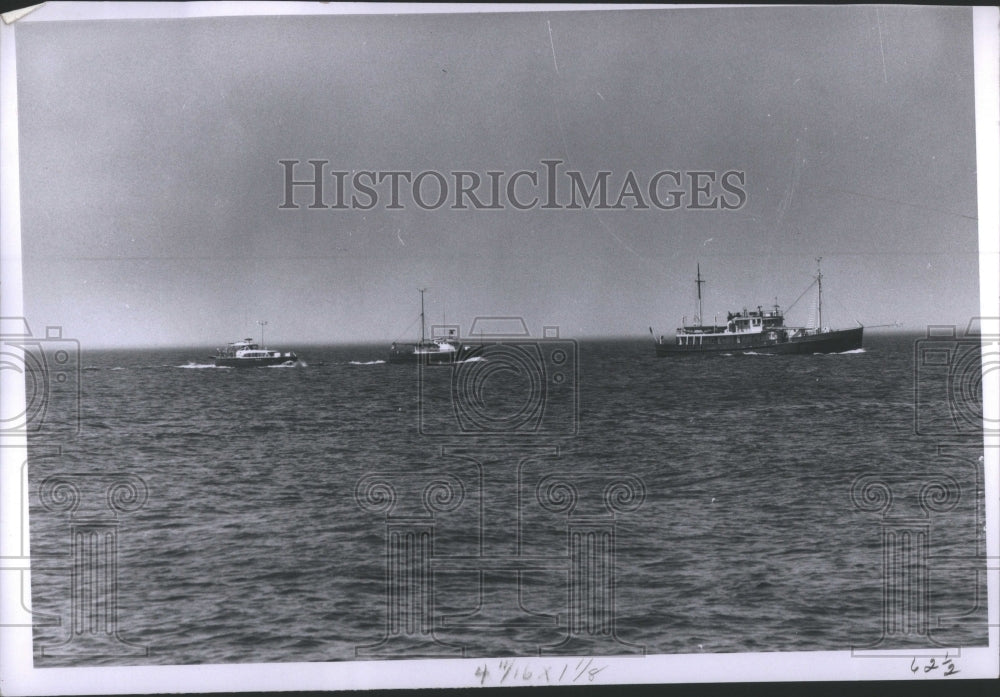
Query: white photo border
x=19, y=677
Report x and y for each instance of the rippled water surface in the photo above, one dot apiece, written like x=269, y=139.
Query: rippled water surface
x=715, y=494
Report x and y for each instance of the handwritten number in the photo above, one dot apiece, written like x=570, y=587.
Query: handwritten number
x=948, y=664
x=511, y=669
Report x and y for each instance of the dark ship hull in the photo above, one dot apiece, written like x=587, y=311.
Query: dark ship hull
x=825, y=342
x=260, y=362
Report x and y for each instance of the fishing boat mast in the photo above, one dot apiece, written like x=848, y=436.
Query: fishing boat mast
x=819, y=281
x=698, y=281
x=422, y=339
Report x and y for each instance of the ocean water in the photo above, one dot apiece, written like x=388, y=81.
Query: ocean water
x=593, y=499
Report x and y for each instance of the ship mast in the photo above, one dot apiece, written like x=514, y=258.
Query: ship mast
x=819, y=282
x=422, y=290
x=698, y=282
x=262, y=323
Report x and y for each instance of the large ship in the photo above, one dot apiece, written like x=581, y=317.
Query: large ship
x=758, y=331
x=437, y=350
x=248, y=354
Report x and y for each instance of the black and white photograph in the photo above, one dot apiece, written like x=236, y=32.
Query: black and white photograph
x=376, y=346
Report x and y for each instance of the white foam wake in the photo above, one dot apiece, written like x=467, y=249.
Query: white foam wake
x=841, y=353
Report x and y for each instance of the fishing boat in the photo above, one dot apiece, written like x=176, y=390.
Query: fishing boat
x=436, y=350
x=249, y=354
x=758, y=331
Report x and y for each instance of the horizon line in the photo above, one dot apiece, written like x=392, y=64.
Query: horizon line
x=388, y=342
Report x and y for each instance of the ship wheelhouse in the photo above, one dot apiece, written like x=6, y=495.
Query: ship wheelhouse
x=740, y=328
x=248, y=352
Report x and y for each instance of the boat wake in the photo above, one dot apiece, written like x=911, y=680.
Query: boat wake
x=366, y=362
x=287, y=364
x=200, y=366
x=474, y=359
x=842, y=353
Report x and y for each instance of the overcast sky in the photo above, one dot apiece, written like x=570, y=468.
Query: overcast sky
x=151, y=182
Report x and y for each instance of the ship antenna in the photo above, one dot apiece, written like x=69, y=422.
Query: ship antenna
x=698, y=281
x=819, y=282
x=262, y=323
